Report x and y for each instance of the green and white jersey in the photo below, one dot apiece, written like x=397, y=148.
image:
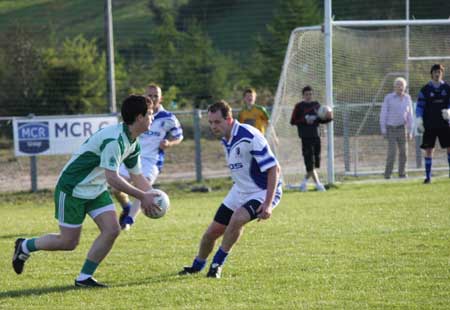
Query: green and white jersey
x=84, y=175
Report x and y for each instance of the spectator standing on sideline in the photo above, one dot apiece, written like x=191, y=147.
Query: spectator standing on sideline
x=252, y=113
x=304, y=116
x=433, y=117
x=396, y=122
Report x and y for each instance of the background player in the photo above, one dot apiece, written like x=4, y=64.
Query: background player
x=255, y=192
x=164, y=132
x=252, y=113
x=304, y=116
x=432, y=117
x=81, y=190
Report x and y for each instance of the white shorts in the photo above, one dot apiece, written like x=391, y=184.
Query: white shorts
x=149, y=170
x=236, y=198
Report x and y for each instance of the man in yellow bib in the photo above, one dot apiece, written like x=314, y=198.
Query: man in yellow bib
x=253, y=114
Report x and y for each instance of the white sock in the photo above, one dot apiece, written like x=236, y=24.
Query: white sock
x=83, y=276
x=24, y=247
x=135, y=209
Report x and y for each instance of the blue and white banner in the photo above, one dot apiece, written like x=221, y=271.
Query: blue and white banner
x=54, y=135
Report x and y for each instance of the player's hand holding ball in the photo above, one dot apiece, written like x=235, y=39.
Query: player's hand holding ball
x=325, y=113
x=446, y=114
x=160, y=205
x=149, y=203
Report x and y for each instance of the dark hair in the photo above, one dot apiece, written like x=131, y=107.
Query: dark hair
x=249, y=90
x=436, y=67
x=306, y=88
x=221, y=106
x=133, y=106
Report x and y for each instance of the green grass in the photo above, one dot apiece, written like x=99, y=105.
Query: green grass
x=368, y=246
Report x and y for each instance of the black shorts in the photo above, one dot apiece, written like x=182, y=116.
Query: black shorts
x=311, y=153
x=223, y=214
x=430, y=135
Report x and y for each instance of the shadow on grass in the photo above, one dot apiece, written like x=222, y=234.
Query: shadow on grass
x=163, y=278
x=37, y=291
x=168, y=277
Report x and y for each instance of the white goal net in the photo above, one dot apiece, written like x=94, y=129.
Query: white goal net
x=365, y=63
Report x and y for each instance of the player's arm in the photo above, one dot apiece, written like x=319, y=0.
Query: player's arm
x=115, y=180
x=420, y=107
x=174, y=134
x=273, y=176
x=295, y=120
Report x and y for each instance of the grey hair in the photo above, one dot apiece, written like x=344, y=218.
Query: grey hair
x=402, y=80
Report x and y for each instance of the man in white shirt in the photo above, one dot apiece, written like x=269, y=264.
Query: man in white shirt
x=255, y=192
x=164, y=132
x=396, y=122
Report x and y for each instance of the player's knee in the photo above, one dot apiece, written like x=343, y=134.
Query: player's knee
x=213, y=233
x=112, y=232
x=69, y=244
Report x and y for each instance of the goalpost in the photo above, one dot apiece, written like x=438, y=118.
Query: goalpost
x=351, y=66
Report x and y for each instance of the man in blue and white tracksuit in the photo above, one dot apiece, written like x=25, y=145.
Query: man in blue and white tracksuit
x=255, y=193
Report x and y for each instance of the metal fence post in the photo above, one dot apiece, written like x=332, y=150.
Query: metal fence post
x=198, y=147
x=33, y=173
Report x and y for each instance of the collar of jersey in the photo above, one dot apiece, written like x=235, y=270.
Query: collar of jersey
x=234, y=131
x=440, y=83
x=127, y=132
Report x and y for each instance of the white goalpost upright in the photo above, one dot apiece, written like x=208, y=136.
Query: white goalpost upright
x=351, y=66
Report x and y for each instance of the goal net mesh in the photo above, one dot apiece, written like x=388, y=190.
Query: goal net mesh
x=365, y=63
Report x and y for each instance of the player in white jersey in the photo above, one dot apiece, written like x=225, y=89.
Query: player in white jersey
x=255, y=192
x=164, y=132
x=82, y=190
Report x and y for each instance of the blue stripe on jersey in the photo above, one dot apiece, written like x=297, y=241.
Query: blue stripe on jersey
x=420, y=105
x=260, y=178
x=160, y=161
x=259, y=153
x=163, y=114
x=266, y=162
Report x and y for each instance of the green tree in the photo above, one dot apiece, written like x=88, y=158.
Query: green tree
x=75, y=80
x=21, y=69
x=188, y=61
x=268, y=59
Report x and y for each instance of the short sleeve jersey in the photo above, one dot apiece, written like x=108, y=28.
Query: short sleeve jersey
x=257, y=116
x=84, y=175
x=248, y=157
x=164, y=125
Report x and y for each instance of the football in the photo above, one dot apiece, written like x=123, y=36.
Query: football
x=162, y=200
x=324, y=112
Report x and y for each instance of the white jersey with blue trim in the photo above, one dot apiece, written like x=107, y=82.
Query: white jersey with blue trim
x=248, y=157
x=164, y=125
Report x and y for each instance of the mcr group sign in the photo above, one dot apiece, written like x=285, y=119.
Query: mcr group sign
x=53, y=136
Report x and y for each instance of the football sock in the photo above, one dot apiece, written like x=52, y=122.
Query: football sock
x=198, y=264
x=88, y=270
x=29, y=245
x=428, y=163
x=220, y=257
x=126, y=207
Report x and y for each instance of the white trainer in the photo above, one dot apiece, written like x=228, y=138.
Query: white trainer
x=320, y=188
x=303, y=187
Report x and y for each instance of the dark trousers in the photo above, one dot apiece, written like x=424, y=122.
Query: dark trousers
x=311, y=153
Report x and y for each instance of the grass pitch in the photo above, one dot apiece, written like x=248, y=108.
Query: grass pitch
x=370, y=246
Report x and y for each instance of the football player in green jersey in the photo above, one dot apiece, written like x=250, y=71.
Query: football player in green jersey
x=82, y=190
